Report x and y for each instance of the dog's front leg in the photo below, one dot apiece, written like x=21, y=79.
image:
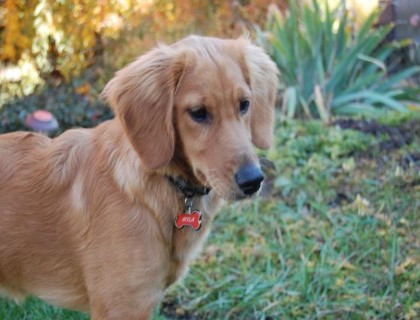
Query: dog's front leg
x=118, y=313
x=125, y=265
x=123, y=296
x=127, y=295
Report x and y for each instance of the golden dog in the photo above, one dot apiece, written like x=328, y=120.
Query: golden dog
x=87, y=220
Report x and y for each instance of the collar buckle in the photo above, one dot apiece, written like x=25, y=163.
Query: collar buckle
x=187, y=188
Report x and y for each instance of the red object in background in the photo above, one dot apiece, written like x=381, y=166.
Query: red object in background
x=41, y=121
x=192, y=220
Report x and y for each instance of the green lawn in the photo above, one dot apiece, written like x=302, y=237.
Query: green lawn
x=336, y=236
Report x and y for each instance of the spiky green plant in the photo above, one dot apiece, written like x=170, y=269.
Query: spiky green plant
x=327, y=69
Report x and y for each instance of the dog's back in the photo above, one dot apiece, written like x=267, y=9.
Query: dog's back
x=35, y=173
x=15, y=148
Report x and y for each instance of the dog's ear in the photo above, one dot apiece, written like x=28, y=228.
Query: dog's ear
x=142, y=97
x=263, y=77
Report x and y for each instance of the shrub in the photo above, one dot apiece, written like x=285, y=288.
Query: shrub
x=74, y=105
x=325, y=69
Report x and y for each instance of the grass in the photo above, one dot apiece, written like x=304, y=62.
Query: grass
x=336, y=237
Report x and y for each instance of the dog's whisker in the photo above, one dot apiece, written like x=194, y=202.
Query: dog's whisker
x=218, y=186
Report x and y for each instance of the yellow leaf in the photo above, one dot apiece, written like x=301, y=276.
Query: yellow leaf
x=347, y=265
x=400, y=269
x=413, y=107
x=83, y=89
x=411, y=314
x=339, y=282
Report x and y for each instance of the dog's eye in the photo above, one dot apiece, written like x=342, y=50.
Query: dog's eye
x=243, y=106
x=199, y=115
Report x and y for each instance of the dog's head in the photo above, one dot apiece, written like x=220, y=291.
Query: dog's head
x=204, y=100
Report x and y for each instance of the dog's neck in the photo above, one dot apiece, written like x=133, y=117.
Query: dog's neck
x=187, y=188
x=182, y=177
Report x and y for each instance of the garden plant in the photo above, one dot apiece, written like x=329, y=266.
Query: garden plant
x=328, y=69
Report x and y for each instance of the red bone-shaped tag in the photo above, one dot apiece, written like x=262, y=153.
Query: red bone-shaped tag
x=192, y=220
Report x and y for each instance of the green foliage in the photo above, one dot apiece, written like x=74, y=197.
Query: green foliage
x=18, y=81
x=34, y=309
x=326, y=69
x=74, y=105
x=310, y=155
x=334, y=240
x=55, y=35
x=300, y=255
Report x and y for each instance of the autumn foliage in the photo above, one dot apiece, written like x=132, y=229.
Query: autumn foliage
x=66, y=36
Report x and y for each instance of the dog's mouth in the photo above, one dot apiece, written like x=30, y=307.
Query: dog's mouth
x=245, y=183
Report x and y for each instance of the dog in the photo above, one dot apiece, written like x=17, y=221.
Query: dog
x=103, y=220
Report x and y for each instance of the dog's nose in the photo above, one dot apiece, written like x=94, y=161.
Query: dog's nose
x=249, y=178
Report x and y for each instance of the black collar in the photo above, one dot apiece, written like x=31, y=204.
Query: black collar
x=187, y=188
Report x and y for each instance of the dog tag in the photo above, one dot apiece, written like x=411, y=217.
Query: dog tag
x=192, y=220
